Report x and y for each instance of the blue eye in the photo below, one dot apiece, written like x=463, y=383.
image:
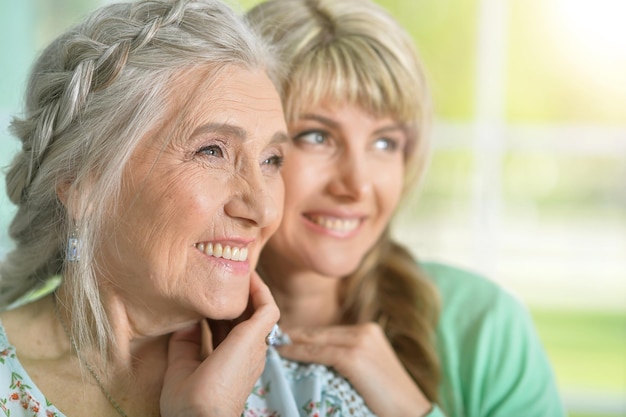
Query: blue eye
x=212, y=150
x=311, y=137
x=386, y=144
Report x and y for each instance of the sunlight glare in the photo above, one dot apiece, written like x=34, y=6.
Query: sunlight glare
x=596, y=26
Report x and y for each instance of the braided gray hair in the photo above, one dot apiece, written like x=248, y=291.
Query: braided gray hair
x=93, y=93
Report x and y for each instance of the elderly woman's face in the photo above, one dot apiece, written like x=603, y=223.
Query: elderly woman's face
x=197, y=206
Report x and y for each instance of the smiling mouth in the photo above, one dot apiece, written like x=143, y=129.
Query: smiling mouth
x=223, y=251
x=334, y=223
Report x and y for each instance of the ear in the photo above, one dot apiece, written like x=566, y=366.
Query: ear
x=67, y=194
x=62, y=191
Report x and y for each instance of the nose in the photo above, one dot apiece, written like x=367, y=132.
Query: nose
x=352, y=177
x=254, y=201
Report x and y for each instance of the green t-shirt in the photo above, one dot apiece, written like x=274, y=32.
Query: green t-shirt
x=492, y=361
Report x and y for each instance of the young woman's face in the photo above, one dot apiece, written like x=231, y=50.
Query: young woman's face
x=214, y=183
x=343, y=180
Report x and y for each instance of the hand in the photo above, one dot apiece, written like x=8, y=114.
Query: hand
x=364, y=356
x=203, y=381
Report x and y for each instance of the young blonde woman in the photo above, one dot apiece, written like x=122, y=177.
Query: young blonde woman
x=412, y=338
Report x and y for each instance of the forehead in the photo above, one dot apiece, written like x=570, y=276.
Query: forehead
x=230, y=95
x=231, y=90
x=296, y=107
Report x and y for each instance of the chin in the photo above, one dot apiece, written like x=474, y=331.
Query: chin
x=231, y=308
x=337, y=270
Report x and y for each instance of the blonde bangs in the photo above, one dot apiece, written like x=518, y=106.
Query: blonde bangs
x=351, y=71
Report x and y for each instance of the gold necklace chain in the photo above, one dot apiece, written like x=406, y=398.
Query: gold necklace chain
x=87, y=365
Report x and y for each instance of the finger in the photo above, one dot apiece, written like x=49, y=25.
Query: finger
x=185, y=345
x=219, y=330
x=265, y=313
x=261, y=305
x=261, y=297
x=335, y=356
x=346, y=336
x=207, y=339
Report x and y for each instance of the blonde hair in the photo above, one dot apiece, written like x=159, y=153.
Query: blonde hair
x=92, y=95
x=353, y=52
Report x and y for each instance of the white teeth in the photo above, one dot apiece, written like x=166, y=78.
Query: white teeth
x=333, y=223
x=223, y=251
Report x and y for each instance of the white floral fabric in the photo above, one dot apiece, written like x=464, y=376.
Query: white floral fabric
x=292, y=389
x=19, y=397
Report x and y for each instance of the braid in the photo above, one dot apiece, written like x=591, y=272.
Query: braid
x=95, y=52
x=59, y=93
x=390, y=288
x=409, y=307
x=60, y=90
x=93, y=94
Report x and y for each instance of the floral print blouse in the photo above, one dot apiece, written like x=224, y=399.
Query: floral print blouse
x=286, y=389
x=19, y=397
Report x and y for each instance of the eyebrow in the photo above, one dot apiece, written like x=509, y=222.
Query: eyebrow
x=334, y=125
x=324, y=120
x=279, y=137
x=391, y=128
x=236, y=131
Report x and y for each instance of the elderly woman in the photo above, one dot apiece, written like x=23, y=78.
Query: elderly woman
x=148, y=180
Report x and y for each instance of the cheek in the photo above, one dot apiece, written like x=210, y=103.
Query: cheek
x=196, y=204
x=276, y=190
x=390, y=188
x=302, y=178
x=192, y=191
x=170, y=209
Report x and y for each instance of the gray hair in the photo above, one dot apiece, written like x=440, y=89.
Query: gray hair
x=92, y=95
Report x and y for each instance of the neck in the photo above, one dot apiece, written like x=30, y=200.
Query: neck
x=129, y=347
x=136, y=365
x=305, y=299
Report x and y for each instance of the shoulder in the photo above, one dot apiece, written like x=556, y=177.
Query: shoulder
x=18, y=394
x=478, y=317
x=457, y=284
x=474, y=307
x=471, y=302
x=470, y=295
x=486, y=338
